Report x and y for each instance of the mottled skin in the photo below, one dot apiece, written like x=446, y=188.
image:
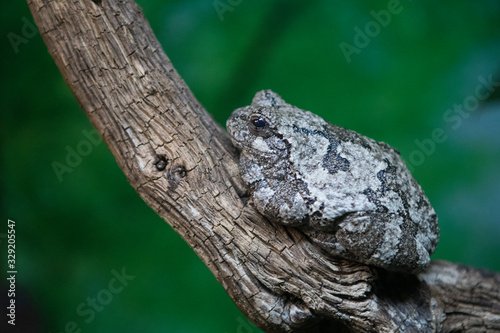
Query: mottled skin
x=352, y=195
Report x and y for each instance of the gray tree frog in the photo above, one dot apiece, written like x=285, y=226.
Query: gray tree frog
x=352, y=195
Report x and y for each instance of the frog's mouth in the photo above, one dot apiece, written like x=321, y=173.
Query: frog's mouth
x=239, y=138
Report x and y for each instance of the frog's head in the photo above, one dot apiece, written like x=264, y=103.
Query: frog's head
x=256, y=129
x=269, y=125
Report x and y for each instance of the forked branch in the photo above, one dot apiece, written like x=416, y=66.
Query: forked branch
x=183, y=165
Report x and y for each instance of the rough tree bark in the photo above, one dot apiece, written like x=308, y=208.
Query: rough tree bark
x=183, y=166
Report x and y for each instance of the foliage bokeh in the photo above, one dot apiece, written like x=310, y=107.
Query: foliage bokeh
x=398, y=88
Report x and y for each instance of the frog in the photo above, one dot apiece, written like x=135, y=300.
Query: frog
x=354, y=197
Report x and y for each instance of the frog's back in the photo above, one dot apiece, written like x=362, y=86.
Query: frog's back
x=346, y=172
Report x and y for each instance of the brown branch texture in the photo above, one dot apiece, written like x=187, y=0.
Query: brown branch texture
x=184, y=166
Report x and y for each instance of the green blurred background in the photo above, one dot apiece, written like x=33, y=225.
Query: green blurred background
x=397, y=87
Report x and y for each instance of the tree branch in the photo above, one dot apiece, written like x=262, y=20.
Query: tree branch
x=183, y=165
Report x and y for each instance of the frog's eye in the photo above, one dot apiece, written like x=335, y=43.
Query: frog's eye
x=258, y=125
x=258, y=122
